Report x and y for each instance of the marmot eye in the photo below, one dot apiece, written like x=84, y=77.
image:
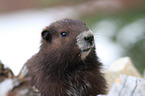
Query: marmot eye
x=63, y=34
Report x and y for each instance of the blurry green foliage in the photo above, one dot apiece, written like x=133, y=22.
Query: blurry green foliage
x=125, y=17
x=47, y=3
x=137, y=53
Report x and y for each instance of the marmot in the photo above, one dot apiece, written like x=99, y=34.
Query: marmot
x=66, y=64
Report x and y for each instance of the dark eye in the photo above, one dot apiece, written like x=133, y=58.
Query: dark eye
x=63, y=34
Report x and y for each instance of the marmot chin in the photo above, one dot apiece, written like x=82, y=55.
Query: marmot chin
x=66, y=64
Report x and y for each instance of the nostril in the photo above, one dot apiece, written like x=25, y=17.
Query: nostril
x=89, y=39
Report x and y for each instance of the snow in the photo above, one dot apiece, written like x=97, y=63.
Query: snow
x=6, y=86
x=107, y=50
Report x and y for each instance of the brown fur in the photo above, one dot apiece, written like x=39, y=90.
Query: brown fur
x=58, y=70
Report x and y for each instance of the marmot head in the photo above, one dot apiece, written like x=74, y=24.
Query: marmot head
x=69, y=37
x=66, y=63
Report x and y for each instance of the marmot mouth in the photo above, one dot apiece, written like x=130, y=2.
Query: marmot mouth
x=85, y=50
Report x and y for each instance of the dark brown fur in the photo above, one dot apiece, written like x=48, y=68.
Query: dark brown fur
x=58, y=70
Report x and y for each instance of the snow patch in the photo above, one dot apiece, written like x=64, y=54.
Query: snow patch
x=5, y=87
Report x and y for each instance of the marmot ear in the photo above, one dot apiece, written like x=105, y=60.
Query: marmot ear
x=46, y=35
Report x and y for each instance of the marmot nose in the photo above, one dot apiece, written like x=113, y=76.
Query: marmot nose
x=89, y=39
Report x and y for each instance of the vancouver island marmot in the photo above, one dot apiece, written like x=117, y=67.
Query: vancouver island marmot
x=66, y=64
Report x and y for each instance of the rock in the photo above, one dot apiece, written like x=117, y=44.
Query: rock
x=121, y=66
x=128, y=86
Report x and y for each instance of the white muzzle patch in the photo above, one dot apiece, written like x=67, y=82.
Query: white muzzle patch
x=85, y=42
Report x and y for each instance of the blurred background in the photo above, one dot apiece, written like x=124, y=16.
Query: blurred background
x=118, y=26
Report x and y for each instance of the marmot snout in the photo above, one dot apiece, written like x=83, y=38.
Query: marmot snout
x=85, y=42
